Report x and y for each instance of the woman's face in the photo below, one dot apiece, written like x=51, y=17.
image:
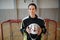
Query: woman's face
x=32, y=10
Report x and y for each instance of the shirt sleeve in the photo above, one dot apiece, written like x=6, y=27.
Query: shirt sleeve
x=23, y=28
x=44, y=30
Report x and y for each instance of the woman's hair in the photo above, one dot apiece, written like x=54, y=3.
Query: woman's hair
x=33, y=5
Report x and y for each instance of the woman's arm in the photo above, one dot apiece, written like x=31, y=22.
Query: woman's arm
x=23, y=28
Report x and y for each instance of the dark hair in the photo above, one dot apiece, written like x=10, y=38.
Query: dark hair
x=33, y=5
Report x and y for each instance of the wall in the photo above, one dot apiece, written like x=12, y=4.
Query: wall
x=23, y=5
x=59, y=12
x=7, y=10
x=49, y=9
x=49, y=3
x=59, y=15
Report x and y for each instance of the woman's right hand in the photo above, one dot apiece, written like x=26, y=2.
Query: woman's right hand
x=28, y=30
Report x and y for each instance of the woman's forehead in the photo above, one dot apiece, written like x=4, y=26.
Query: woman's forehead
x=31, y=6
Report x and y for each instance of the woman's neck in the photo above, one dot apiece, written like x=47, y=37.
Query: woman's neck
x=32, y=16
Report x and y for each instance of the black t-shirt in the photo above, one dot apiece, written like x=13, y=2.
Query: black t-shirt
x=28, y=20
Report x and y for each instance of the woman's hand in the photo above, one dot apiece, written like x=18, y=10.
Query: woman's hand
x=39, y=30
x=28, y=30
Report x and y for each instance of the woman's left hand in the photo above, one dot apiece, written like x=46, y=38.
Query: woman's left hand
x=39, y=31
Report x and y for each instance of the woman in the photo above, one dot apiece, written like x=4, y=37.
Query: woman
x=33, y=19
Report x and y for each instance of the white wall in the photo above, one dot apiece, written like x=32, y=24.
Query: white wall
x=49, y=9
x=6, y=4
x=7, y=10
x=23, y=5
x=51, y=13
x=49, y=3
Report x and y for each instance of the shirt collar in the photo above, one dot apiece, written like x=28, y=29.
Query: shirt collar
x=33, y=18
